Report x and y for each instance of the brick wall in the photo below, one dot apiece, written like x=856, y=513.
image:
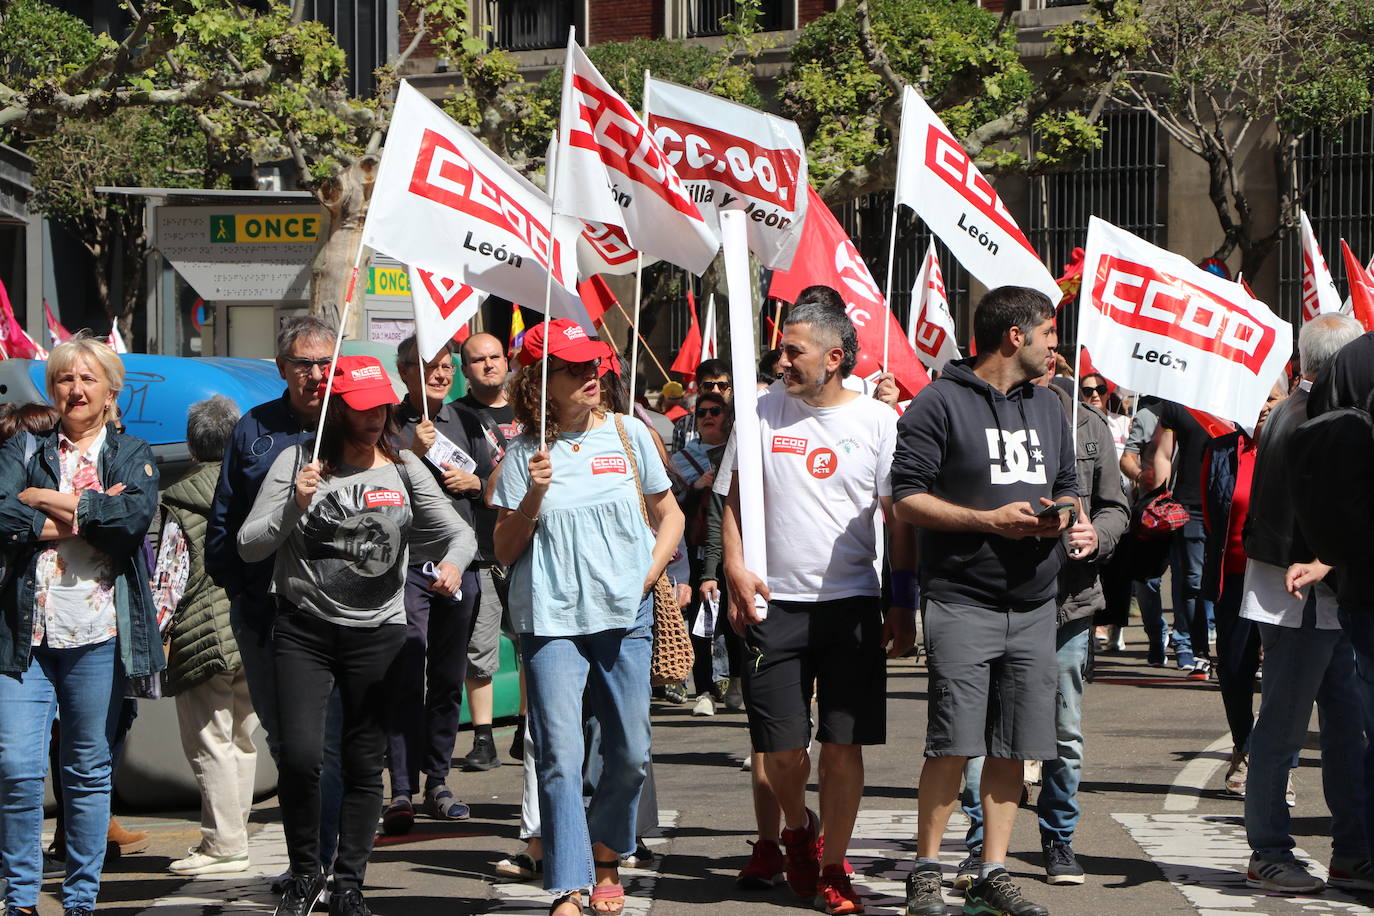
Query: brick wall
x=410, y=13
x=993, y=6
x=622, y=20
x=811, y=10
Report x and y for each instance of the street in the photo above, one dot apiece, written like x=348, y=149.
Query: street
x=1156, y=835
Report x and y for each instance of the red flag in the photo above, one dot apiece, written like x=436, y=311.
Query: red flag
x=1086, y=368
x=596, y=296
x=827, y=257
x=690, y=352
x=16, y=343
x=1072, y=280
x=1361, y=288
x=55, y=328
x=1212, y=425
x=462, y=334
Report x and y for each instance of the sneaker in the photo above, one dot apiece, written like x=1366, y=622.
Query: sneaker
x=967, y=873
x=924, y=895
x=1287, y=877
x=398, y=817
x=53, y=867
x=1185, y=660
x=1154, y=655
x=835, y=893
x=642, y=857
x=300, y=895
x=482, y=756
x=1290, y=794
x=201, y=863
x=1118, y=641
x=734, y=695
x=705, y=706
x=1201, y=670
x=278, y=884
x=820, y=856
x=747, y=763
x=348, y=902
x=996, y=895
x=803, y=868
x=76, y=911
x=675, y=693
x=1351, y=873
x=520, y=867
x=1060, y=865
x=764, y=870
x=517, y=741
x=1236, y=772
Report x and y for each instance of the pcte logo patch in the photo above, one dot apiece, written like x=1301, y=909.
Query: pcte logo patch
x=609, y=464
x=375, y=498
x=790, y=445
x=821, y=463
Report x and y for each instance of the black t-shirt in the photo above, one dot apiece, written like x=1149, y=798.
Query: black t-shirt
x=500, y=427
x=1189, y=441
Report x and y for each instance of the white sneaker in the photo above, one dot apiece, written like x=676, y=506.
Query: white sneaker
x=1285, y=877
x=706, y=706
x=1236, y=773
x=199, y=863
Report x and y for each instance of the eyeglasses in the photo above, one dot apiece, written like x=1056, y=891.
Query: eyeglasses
x=303, y=365
x=715, y=386
x=583, y=368
x=709, y=412
x=1090, y=390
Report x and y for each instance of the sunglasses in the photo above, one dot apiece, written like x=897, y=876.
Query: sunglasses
x=709, y=411
x=582, y=368
x=303, y=365
x=1090, y=390
x=715, y=386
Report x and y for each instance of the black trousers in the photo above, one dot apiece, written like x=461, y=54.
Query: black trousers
x=1238, y=659
x=311, y=655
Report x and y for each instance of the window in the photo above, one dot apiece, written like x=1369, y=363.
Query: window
x=364, y=30
x=704, y=16
x=528, y=25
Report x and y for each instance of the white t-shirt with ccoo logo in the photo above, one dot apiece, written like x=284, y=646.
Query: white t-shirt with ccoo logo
x=824, y=471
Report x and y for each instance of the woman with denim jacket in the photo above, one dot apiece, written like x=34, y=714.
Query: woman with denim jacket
x=76, y=616
x=584, y=563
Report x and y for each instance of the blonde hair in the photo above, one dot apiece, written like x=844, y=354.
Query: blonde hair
x=96, y=353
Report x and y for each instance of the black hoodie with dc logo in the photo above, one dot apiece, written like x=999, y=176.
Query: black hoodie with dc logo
x=966, y=442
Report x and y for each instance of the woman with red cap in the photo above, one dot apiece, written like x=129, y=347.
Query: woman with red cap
x=584, y=563
x=342, y=529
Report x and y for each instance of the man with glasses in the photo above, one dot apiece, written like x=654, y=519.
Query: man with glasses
x=483, y=360
x=426, y=679
x=712, y=375
x=304, y=348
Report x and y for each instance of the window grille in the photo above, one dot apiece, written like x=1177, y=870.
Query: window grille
x=362, y=28
x=528, y=25
x=704, y=16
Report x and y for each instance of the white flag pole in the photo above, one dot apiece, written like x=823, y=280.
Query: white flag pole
x=1077, y=395
x=639, y=279
x=338, y=343
x=891, y=254
x=553, y=231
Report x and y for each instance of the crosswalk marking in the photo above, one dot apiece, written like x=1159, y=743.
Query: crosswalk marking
x=243, y=893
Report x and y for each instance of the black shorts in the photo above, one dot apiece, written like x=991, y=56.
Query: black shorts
x=832, y=647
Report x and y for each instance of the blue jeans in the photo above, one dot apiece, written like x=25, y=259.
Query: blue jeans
x=1303, y=665
x=1191, y=611
x=1058, y=804
x=613, y=668
x=252, y=627
x=1359, y=625
x=1152, y=618
x=85, y=686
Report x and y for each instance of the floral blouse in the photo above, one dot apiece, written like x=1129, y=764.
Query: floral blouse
x=73, y=581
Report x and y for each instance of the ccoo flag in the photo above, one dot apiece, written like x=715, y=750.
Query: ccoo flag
x=1158, y=324
x=443, y=307
x=1319, y=293
x=931, y=326
x=937, y=179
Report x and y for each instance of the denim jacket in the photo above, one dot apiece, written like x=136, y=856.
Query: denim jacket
x=114, y=524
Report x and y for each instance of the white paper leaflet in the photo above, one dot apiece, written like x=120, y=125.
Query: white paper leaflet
x=731, y=157
x=1319, y=294
x=930, y=329
x=1156, y=323
x=748, y=438
x=442, y=306
x=937, y=179
x=446, y=203
x=445, y=452
x=621, y=176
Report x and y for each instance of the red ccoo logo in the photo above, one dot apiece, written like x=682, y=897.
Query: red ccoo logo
x=790, y=445
x=375, y=498
x=610, y=464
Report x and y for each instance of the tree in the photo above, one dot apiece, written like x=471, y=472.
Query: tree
x=849, y=68
x=1216, y=74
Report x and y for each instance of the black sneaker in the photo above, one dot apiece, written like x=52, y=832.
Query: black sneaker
x=1060, y=865
x=517, y=743
x=482, y=756
x=348, y=903
x=300, y=895
x=924, y=893
x=995, y=895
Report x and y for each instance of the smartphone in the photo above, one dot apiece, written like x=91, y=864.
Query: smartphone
x=1050, y=511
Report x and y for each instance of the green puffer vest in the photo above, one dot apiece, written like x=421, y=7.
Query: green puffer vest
x=203, y=644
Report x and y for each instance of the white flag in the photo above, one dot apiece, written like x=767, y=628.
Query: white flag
x=937, y=179
x=444, y=202
x=442, y=306
x=930, y=328
x=614, y=173
x=732, y=157
x=116, y=340
x=1319, y=294
x=1158, y=324
x=708, y=331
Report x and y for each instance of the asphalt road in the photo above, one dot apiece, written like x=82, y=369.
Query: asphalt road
x=1156, y=834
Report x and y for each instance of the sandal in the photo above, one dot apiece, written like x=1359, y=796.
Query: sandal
x=442, y=805
x=398, y=817
x=613, y=894
x=569, y=897
x=520, y=867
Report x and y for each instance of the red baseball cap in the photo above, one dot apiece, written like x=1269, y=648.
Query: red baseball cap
x=362, y=382
x=568, y=341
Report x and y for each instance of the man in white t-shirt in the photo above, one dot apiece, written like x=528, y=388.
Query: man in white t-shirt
x=827, y=456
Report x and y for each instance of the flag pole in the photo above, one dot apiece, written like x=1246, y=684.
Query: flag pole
x=891, y=257
x=338, y=343
x=553, y=232
x=777, y=325
x=1078, y=395
x=639, y=287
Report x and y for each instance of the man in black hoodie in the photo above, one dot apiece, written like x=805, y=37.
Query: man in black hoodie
x=983, y=459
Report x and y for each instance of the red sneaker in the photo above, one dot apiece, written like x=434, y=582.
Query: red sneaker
x=820, y=855
x=835, y=894
x=803, y=868
x=765, y=868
